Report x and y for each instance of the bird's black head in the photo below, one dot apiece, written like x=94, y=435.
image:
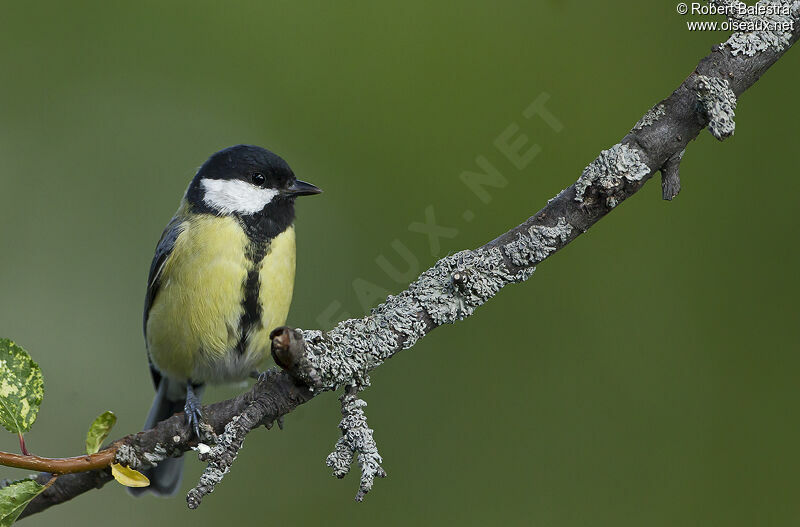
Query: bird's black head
x=251, y=183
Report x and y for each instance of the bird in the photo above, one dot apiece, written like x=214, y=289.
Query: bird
x=221, y=279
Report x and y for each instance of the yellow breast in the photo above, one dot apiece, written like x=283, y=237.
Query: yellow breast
x=193, y=326
x=276, y=285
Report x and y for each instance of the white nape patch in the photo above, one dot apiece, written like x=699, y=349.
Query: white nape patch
x=234, y=195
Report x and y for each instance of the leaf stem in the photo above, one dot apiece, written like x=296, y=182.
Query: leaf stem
x=22, y=446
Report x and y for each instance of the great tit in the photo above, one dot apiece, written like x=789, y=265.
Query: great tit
x=220, y=281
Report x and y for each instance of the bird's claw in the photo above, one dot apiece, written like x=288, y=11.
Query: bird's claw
x=193, y=417
x=192, y=410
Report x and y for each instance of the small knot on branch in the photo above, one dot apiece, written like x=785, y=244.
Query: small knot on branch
x=460, y=278
x=670, y=176
x=460, y=282
x=289, y=352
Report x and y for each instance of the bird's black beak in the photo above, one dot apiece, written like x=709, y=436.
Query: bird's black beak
x=301, y=188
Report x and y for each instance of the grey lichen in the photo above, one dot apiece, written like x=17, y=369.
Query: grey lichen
x=718, y=102
x=652, y=115
x=765, y=26
x=484, y=274
x=612, y=166
x=159, y=453
x=136, y=457
x=347, y=353
x=220, y=457
x=128, y=456
x=211, y=477
x=356, y=442
x=534, y=246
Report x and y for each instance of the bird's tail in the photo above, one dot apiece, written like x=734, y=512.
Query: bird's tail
x=165, y=478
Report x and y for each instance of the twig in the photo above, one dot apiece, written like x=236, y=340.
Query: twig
x=66, y=465
x=356, y=441
x=670, y=176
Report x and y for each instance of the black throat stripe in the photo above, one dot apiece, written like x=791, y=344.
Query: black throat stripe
x=250, y=320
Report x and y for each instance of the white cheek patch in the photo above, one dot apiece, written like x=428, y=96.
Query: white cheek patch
x=234, y=195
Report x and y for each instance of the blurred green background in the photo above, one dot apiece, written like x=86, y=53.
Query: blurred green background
x=644, y=376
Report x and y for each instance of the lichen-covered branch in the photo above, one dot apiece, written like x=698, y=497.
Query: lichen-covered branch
x=453, y=288
x=458, y=284
x=272, y=397
x=288, y=350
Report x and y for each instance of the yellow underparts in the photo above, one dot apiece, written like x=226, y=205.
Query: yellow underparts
x=194, y=323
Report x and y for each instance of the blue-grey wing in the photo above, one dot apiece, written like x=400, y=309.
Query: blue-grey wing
x=163, y=250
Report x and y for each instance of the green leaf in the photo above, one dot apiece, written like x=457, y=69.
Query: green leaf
x=99, y=431
x=21, y=388
x=14, y=498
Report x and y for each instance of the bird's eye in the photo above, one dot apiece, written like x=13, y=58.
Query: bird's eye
x=258, y=179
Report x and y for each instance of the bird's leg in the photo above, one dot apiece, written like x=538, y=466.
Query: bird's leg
x=192, y=409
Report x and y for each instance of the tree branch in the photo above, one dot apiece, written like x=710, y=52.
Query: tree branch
x=456, y=285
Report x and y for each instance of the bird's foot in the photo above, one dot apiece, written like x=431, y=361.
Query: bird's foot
x=192, y=410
